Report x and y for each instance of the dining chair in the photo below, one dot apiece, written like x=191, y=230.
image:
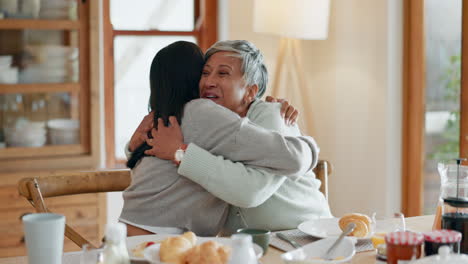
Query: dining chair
x=322, y=172
x=35, y=189
x=69, y=183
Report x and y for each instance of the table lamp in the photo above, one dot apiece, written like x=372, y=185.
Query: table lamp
x=293, y=21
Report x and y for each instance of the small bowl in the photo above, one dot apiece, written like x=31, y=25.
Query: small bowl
x=64, y=131
x=312, y=253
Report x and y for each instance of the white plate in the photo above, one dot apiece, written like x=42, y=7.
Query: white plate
x=328, y=227
x=134, y=241
x=322, y=228
x=308, y=253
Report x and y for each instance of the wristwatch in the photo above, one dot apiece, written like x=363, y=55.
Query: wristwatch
x=179, y=154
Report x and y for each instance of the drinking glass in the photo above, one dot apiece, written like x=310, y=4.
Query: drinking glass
x=91, y=255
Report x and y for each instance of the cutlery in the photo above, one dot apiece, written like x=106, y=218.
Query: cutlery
x=287, y=239
x=349, y=228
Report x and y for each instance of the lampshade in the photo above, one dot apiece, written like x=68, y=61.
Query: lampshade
x=301, y=19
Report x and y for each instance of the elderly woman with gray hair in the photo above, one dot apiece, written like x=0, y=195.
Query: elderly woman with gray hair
x=256, y=169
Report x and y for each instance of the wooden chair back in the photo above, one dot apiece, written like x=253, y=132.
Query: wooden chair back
x=322, y=172
x=68, y=183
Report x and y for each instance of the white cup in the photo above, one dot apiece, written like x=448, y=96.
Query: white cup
x=44, y=234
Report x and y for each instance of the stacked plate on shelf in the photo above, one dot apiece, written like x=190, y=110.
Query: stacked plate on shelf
x=51, y=64
x=25, y=133
x=58, y=9
x=8, y=74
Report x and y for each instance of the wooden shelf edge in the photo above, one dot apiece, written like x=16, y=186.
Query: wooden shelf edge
x=39, y=88
x=45, y=151
x=39, y=24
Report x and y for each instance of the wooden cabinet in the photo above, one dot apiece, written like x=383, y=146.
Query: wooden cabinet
x=49, y=111
x=86, y=213
x=49, y=94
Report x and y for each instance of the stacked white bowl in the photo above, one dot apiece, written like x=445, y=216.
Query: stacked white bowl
x=25, y=134
x=8, y=74
x=63, y=131
x=51, y=64
x=58, y=9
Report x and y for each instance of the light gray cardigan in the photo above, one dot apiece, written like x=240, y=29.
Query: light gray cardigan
x=158, y=196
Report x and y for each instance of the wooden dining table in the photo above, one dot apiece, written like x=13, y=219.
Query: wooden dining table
x=418, y=223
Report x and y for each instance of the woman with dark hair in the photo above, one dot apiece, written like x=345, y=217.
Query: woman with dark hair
x=174, y=75
x=161, y=201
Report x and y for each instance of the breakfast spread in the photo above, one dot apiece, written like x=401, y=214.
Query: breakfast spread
x=173, y=249
x=183, y=249
x=362, y=222
x=208, y=252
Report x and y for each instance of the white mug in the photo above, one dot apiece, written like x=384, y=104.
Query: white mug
x=44, y=234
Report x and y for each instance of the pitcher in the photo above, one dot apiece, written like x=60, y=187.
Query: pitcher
x=452, y=210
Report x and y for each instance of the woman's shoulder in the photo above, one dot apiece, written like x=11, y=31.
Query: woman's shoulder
x=199, y=103
x=268, y=115
x=205, y=109
x=261, y=111
x=262, y=107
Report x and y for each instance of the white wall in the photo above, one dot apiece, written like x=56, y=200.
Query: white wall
x=354, y=78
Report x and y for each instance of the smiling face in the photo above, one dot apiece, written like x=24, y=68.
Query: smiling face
x=222, y=82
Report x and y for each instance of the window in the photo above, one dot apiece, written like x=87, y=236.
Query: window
x=134, y=32
x=435, y=97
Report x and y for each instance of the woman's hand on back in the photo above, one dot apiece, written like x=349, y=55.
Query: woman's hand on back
x=166, y=140
x=288, y=112
x=141, y=133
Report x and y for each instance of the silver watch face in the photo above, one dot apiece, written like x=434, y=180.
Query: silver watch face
x=179, y=154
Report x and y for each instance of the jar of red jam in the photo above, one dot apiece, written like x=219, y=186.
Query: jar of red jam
x=437, y=238
x=403, y=246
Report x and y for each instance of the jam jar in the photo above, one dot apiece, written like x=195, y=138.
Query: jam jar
x=403, y=246
x=437, y=238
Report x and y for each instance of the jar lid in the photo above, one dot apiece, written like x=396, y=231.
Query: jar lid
x=460, y=202
x=404, y=238
x=382, y=250
x=443, y=236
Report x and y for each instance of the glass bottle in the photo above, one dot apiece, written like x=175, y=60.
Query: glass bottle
x=242, y=250
x=90, y=255
x=115, y=249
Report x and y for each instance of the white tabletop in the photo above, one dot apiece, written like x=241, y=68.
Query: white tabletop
x=68, y=258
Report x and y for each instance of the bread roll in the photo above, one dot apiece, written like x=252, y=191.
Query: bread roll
x=209, y=252
x=362, y=222
x=190, y=236
x=183, y=250
x=173, y=248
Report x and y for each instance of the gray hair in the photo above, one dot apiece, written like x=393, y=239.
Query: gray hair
x=253, y=67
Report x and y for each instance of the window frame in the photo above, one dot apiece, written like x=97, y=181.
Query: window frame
x=414, y=103
x=205, y=32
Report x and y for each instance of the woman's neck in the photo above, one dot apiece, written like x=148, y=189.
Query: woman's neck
x=245, y=110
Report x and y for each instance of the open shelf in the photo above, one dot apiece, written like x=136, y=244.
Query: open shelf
x=39, y=24
x=47, y=150
x=25, y=88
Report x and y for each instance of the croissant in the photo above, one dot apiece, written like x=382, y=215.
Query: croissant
x=362, y=222
x=209, y=252
x=173, y=249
